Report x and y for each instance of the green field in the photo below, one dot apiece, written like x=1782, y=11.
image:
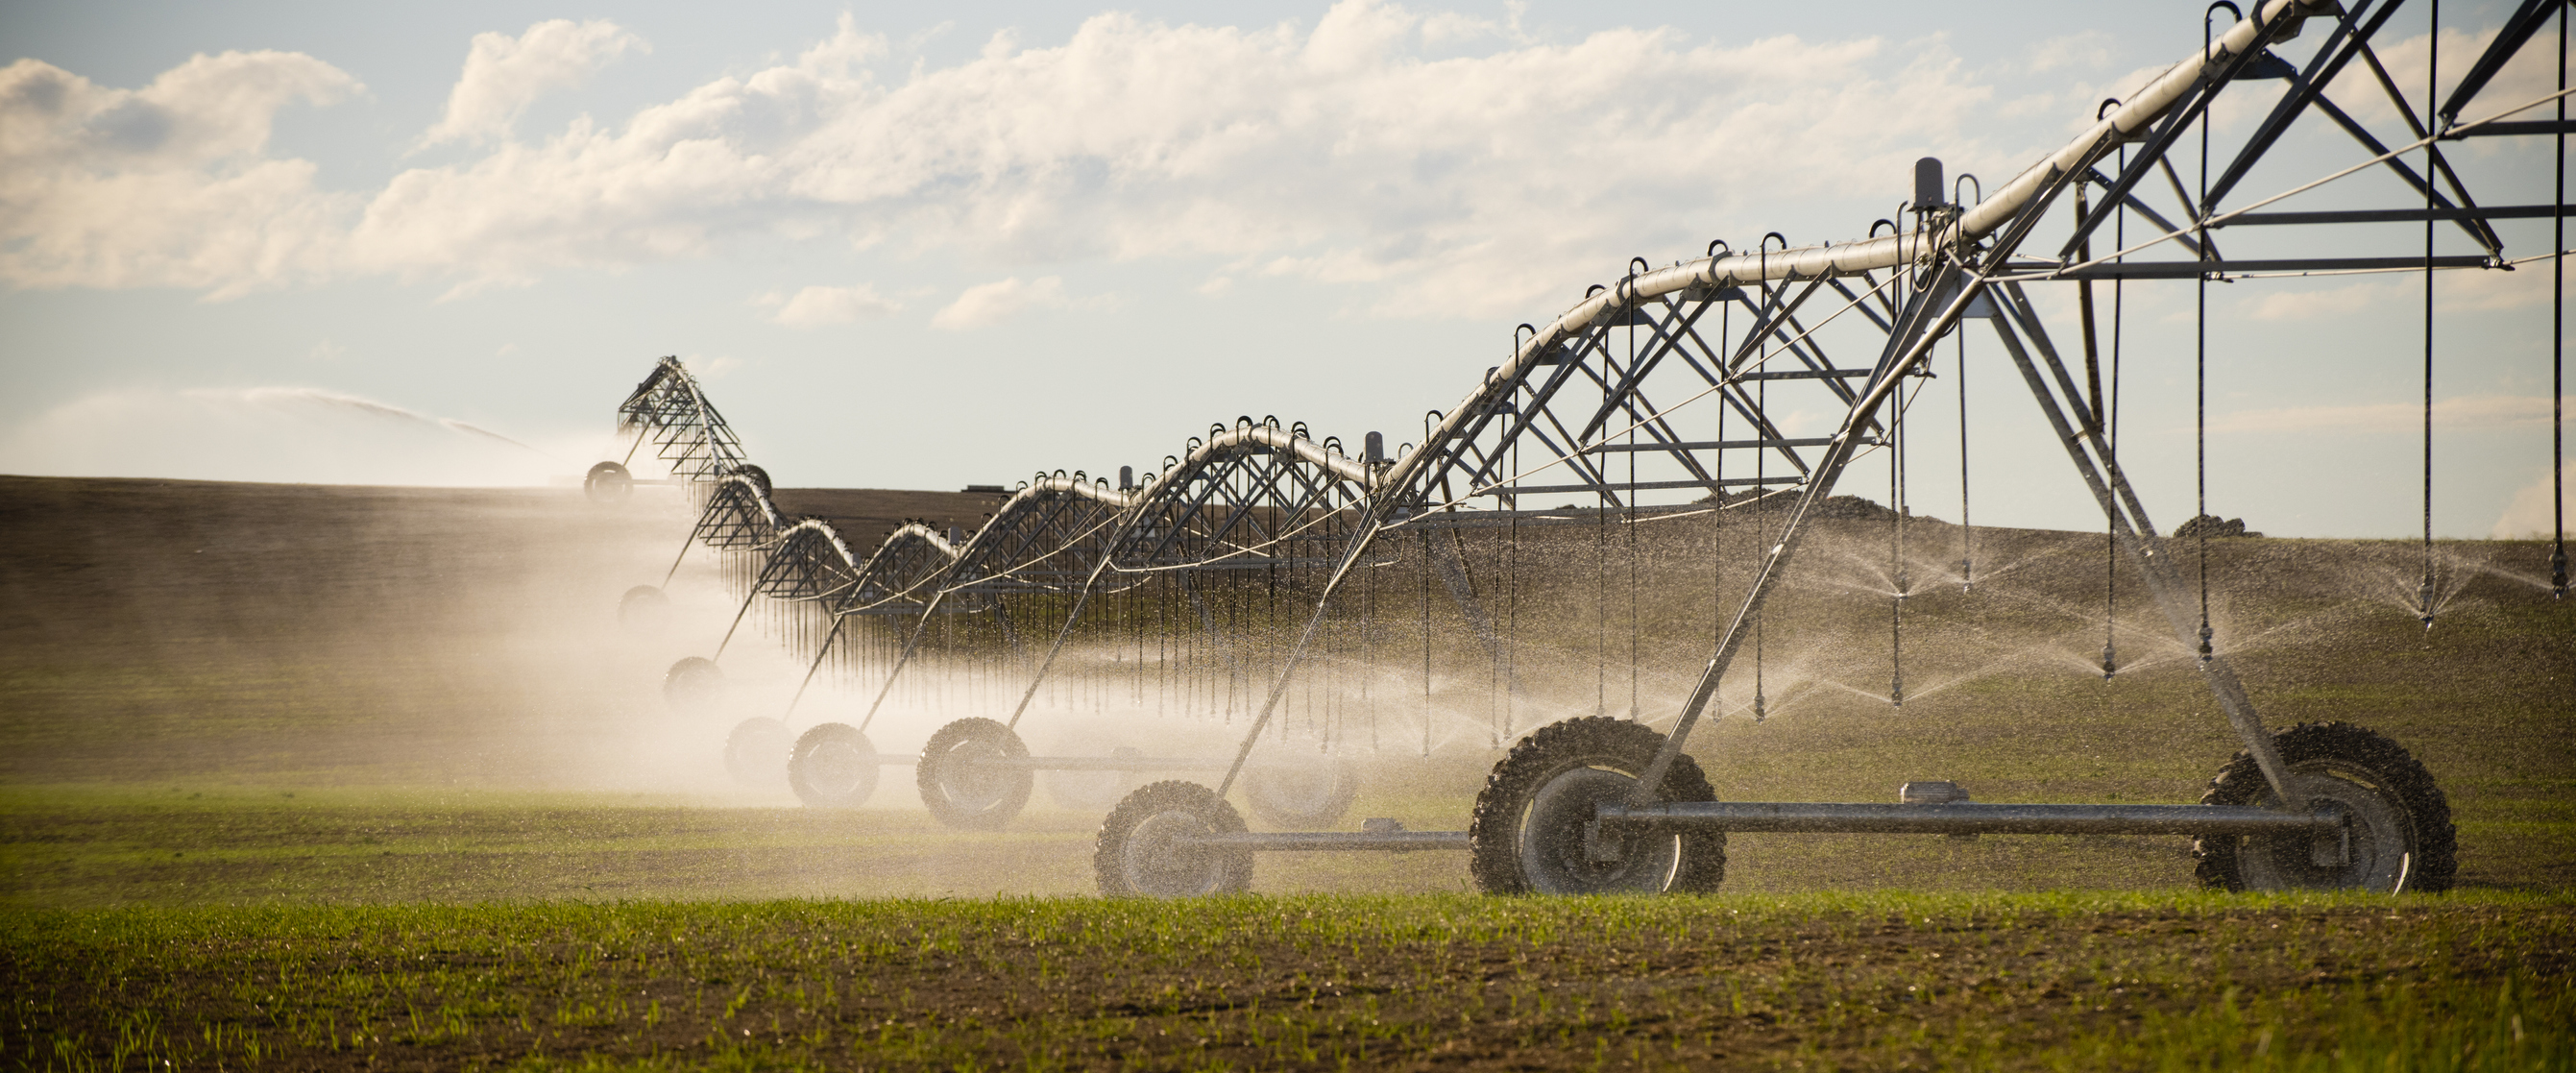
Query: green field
x=369, y=778
x=1816, y=981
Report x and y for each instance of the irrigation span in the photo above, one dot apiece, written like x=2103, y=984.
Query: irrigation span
x=1271, y=577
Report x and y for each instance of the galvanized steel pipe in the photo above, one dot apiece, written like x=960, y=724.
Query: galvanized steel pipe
x=2125, y=123
x=1388, y=841
x=1965, y=818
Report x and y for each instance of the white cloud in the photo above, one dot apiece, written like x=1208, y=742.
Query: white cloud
x=165, y=186
x=2462, y=291
x=504, y=75
x=1000, y=300
x=1366, y=151
x=817, y=306
x=715, y=368
x=2526, y=286
x=2323, y=302
x=2082, y=50
x=294, y=434
x=2483, y=412
x=2528, y=516
x=2531, y=73
x=2121, y=87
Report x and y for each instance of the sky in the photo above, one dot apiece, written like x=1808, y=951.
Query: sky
x=916, y=247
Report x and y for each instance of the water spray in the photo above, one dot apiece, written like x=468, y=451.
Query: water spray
x=1896, y=676
x=1585, y=805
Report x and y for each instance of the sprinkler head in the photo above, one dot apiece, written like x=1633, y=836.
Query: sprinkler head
x=2206, y=651
x=2109, y=665
x=1758, y=713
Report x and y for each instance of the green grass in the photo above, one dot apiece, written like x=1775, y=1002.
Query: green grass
x=109, y=846
x=1816, y=981
x=308, y=800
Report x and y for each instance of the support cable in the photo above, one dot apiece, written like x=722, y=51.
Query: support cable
x=1896, y=551
x=1511, y=615
x=1426, y=642
x=1717, y=518
x=1967, y=526
x=1633, y=710
x=2111, y=454
x=2455, y=132
x=1761, y=525
x=1601, y=604
x=2432, y=159
x=1368, y=653
x=1498, y=623
x=1608, y=436
x=2200, y=376
x=2558, y=348
x=747, y=598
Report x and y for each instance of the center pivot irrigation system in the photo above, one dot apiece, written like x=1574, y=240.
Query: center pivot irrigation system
x=1263, y=561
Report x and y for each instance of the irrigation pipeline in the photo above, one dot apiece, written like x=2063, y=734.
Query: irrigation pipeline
x=1256, y=509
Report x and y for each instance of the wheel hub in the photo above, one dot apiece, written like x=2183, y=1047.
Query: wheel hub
x=836, y=766
x=2378, y=850
x=1565, y=850
x=972, y=785
x=1157, y=863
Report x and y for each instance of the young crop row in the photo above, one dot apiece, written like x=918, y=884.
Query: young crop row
x=2024, y=981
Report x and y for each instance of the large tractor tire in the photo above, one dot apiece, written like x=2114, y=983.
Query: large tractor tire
x=2402, y=839
x=1534, y=830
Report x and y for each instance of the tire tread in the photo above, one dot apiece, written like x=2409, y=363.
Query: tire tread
x=2241, y=782
x=927, y=775
x=815, y=738
x=1110, y=847
x=1493, y=837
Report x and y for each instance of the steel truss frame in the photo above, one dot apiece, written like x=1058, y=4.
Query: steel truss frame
x=738, y=516
x=1962, y=262
x=1252, y=497
x=668, y=410
x=1592, y=404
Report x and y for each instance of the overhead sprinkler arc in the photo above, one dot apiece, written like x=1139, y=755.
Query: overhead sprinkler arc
x=1244, y=552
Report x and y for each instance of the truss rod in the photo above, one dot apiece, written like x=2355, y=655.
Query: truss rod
x=2139, y=540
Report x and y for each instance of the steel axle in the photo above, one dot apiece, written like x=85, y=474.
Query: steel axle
x=1972, y=818
x=1074, y=763
x=1382, y=841
x=2327, y=825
